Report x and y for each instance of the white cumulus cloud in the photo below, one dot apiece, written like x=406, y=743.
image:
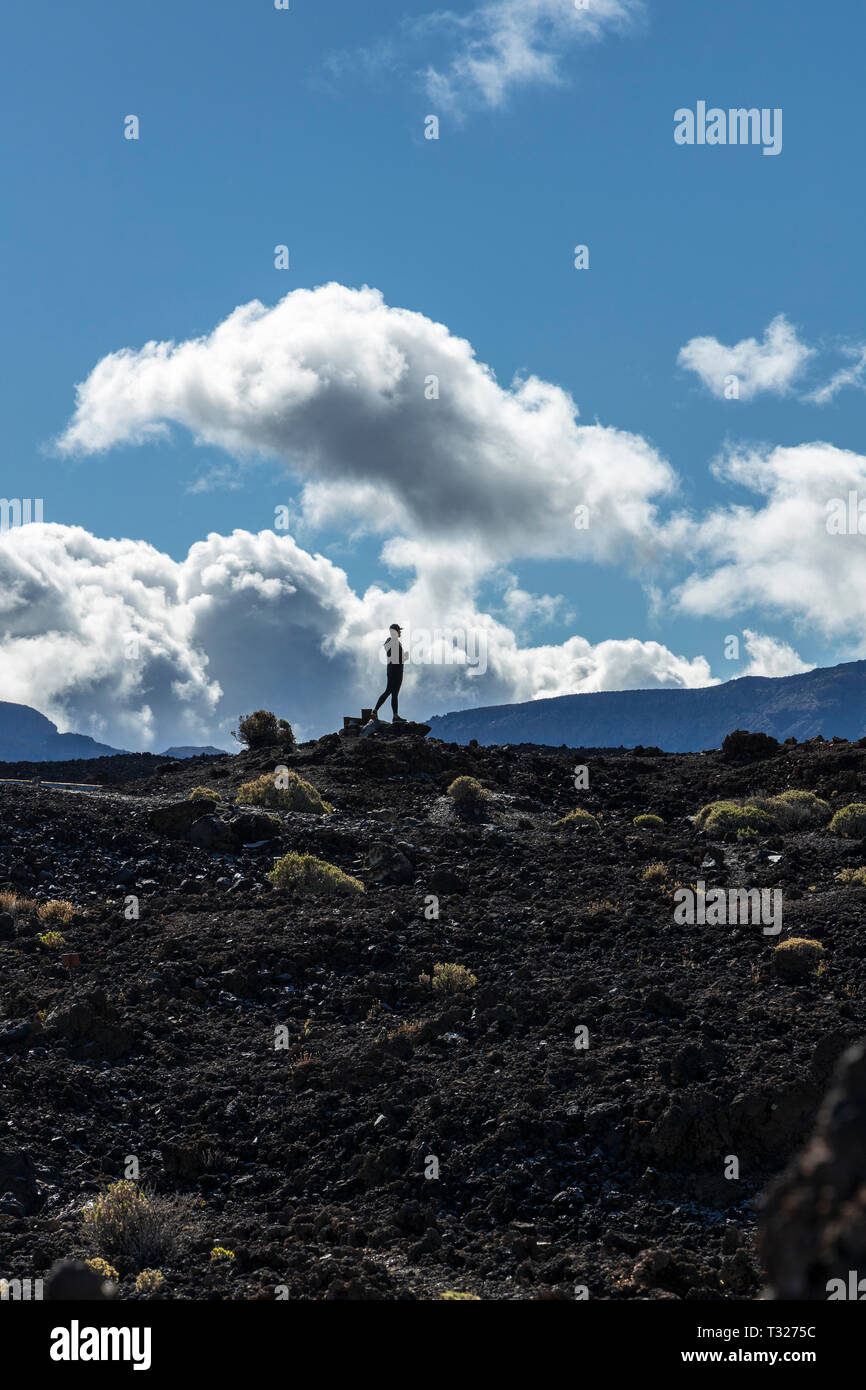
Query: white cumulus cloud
x=460, y=486
x=340, y=387
x=769, y=656
x=771, y=365
x=114, y=639
x=499, y=47
x=780, y=556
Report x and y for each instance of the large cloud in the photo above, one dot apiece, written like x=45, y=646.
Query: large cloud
x=73, y=608
x=114, y=639
x=335, y=383
x=782, y=556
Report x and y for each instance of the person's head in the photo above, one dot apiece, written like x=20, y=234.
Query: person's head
x=395, y=630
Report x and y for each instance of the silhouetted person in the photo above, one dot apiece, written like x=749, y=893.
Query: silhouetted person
x=394, y=650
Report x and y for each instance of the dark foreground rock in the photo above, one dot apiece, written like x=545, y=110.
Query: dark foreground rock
x=384, y=730
x=19, y=1192
x=600, y=1102
x=73, y=1281
x=178, y=818
x=813, y=1236
x=742, y=746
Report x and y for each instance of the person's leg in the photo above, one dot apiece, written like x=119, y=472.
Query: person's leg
x=395, y=680
x=381, y=700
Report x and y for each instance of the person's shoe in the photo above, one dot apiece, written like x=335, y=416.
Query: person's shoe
x=371, y=722
x=398, y=719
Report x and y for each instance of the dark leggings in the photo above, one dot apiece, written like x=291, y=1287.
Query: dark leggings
x=395, y=680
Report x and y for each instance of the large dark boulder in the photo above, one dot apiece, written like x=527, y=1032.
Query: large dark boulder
x=813, y=1223
x=388, y=864
x=74, y=1281
x=177, y=818
x=211, y=833
x=741, y=746
x=253, y=826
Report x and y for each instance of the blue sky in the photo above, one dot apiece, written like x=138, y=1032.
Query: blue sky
x=306, y=127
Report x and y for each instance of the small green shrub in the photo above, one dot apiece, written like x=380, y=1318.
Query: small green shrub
x=314, y=877
x=455, y=1295
x=799, y=943
x=648, y=822
x=448, y=978
x=102, y=1267
x=850, y=821
x=854, y=876
x=296, y=795
x=261, y=728
x=579, y=820
x=220, y=1252
x=203, y=794
x=798, y=957
x=468, y=793
x=128, y=1223
x=792, y=809
x=53, y=940
x=149, y=1280
x=727, y=817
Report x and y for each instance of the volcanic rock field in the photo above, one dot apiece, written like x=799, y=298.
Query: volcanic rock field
x=298, y=1098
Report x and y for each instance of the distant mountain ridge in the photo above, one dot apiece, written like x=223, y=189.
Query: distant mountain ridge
x=830, y=700
x=195, y=751
x=28, y=736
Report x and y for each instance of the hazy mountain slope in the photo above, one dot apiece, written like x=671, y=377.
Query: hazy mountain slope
x=27, y=736
x=828, y=701
x=194, y=751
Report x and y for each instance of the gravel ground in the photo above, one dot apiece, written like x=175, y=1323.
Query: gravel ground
x=291, y=1090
